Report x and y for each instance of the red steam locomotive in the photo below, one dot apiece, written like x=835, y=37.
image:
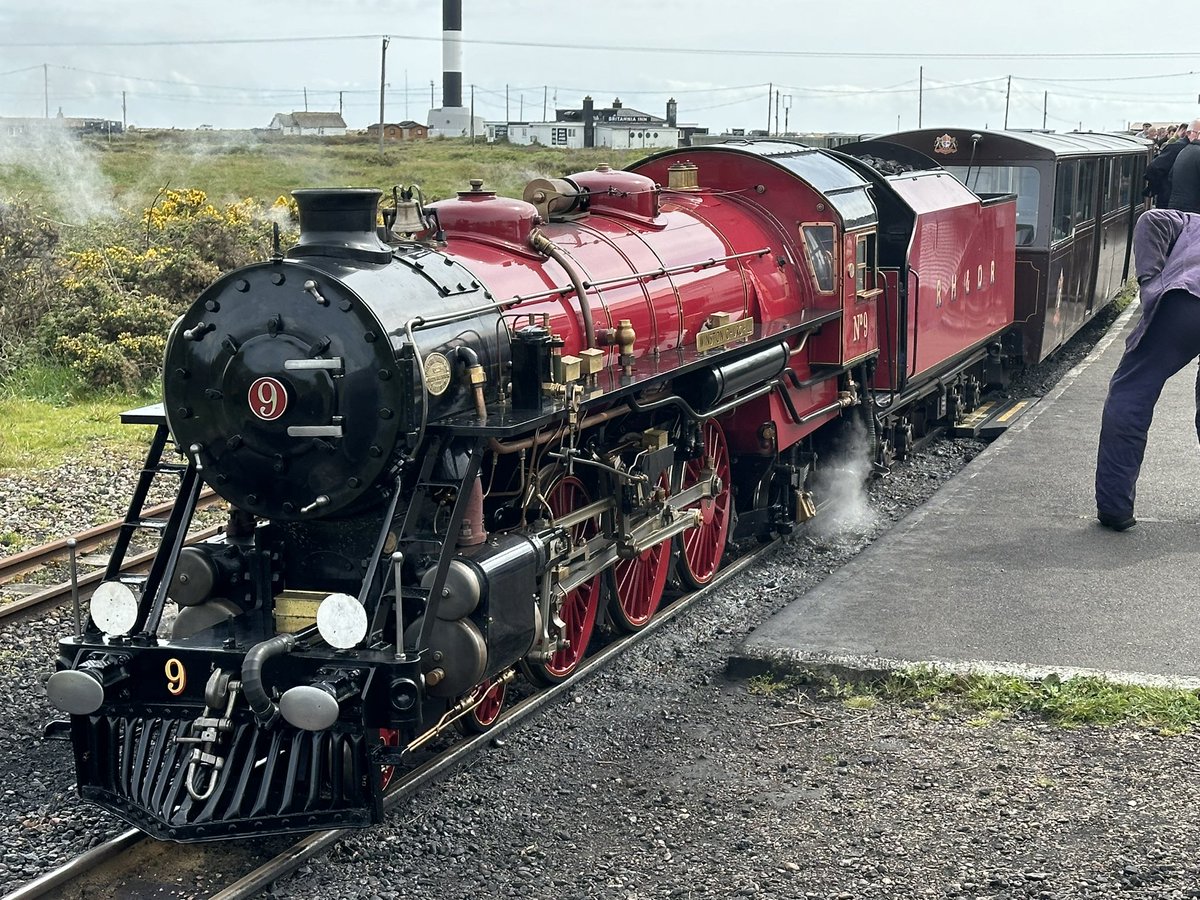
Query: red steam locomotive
x=453, y=445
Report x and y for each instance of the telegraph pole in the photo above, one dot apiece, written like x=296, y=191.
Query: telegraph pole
x=341, y=109
x=777, y=113
x=1045, y=103
x=306, y=99
x=545, y=93
x=382, y=78
x=1007, y=94
x=920, y=95
x=770, y=91
x=124, y=122
x=46, y=86
x=507, y=117
x=472, y=115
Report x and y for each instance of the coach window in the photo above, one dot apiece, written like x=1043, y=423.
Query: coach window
x=1127, y=181
x=821, y=249
x=1064, y=197
x=1085, y=193
x=1112, y=185
x=1024, y=181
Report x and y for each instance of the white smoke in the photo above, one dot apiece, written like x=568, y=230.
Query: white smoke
x=841, y=486
x=65, y=167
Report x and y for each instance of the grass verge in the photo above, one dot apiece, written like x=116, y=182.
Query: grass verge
x=47, y=415
x=987, y=698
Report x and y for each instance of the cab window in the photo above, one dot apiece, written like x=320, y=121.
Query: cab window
x=822, y=255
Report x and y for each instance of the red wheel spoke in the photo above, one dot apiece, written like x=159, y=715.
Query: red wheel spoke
x=704, y=546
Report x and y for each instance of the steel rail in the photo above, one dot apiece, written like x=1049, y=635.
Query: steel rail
x=57, y=592
x=79, y=866
x=85, y=541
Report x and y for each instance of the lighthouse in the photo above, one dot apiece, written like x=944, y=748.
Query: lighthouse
x=452, y=119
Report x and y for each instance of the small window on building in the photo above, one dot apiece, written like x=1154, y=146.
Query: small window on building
x=558, y=136
x=821, y=248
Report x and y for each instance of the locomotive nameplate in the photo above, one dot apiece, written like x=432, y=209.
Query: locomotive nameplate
x=437, y=373
x=723, y=335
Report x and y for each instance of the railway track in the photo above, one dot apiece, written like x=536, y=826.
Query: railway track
x=131, y=853
x=12, y=567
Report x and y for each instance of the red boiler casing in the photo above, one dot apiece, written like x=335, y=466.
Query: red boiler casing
x=627, y=232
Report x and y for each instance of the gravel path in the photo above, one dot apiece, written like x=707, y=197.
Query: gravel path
x=663, y=778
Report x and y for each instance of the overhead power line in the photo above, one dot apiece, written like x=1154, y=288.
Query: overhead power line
x=575, y=46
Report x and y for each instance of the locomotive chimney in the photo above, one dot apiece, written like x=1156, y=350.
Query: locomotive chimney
x=340, y=222
x=589, y=122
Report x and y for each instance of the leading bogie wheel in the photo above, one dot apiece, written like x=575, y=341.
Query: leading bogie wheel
x=579, y=607
x=702, y=548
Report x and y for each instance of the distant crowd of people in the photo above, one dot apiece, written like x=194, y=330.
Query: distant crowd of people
x=1173, y=176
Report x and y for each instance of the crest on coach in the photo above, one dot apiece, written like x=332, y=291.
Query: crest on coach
x=945, y=144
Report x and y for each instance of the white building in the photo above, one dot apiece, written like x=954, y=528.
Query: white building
x=569, y=134
x=326, y=123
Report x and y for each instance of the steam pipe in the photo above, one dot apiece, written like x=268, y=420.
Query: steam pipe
x=530, y=442
x=543, y=244
x=252, y=682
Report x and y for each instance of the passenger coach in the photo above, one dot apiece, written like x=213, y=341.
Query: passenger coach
x=1078, y=195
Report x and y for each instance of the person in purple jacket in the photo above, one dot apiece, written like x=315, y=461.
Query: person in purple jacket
x=1166, y=246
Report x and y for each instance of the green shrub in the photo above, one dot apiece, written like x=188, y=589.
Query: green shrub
x=32, y=273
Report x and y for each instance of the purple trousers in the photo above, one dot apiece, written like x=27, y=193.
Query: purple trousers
x=1171, y=341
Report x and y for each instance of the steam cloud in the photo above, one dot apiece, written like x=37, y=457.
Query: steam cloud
x=842, y=486
x=65, y=167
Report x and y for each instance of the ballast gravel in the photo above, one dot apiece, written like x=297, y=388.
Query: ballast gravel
x=663, y=778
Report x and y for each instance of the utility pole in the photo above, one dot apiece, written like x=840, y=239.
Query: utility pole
x=341, y=108
x=522, y=113
x=306, y=99
x=46, y=86
x=545, y=94
x=406, y=116
x=431, y=102
x=770, y=91
x=920, y=95
x=507, y=117
x=124, y=122
x=472, y=115
x=382, y=78
x=777, y=114
x=787, y=108
x=1045, y=103
x=1007, y=94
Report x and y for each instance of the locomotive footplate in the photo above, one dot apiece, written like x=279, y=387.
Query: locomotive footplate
x=992, y=418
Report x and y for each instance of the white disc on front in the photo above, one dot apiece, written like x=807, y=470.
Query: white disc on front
x=342, y=621
x=114, y=608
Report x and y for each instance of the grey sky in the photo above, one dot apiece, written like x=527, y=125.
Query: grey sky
x=243, y=85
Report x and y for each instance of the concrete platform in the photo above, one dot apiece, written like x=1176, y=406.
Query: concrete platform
x=1006, y=567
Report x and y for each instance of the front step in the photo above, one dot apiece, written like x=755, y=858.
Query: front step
x=992, y=418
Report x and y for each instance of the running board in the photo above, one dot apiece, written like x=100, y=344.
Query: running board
x=992, y=418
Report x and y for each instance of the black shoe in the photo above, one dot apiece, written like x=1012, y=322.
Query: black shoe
x=1116, y=523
